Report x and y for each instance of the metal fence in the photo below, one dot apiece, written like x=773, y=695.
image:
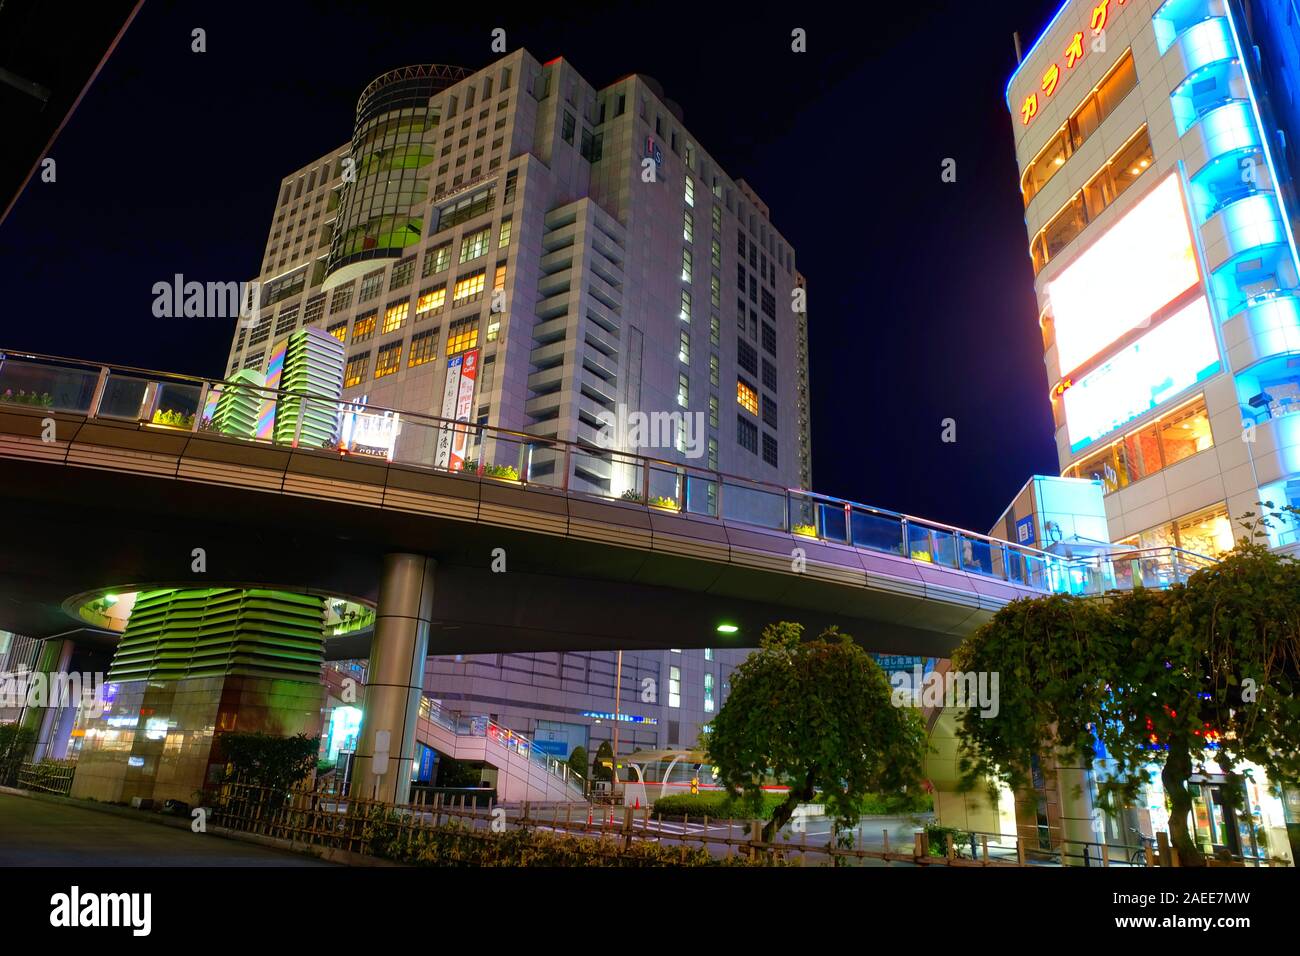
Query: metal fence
x=48, y=776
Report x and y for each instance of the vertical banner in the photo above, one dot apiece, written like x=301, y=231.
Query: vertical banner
x=464, y=407
x=450, y=390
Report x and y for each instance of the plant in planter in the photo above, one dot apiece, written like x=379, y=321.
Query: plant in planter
x=667, y=504
x=807, y=530
x=503, y=472
x=921, y=556
x=172, y=418
x=633, y=495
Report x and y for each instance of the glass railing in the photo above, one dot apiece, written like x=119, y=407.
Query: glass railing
x=471, y=725
x=479, y=452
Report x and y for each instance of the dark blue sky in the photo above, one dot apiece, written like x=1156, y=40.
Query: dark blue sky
x=920, y=292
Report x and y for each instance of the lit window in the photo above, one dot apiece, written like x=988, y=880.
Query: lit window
x=713, y=411
x=715, y=291
x=395, y=315
x=475, y=244
x=683, y=390
x=713, y=370
x=364, y=327
x=674, y=687
x=689, y=195
x=469, y=288
x=424, y=347
x=716, y=254
x=713, y=453
x=717, y=218
x=684, y=348
x=685, y=313
x=462, y=337
x=688, y=226
x=746, y=396
x=436, y=260
x=389, y=360
x=686, y=265
x=499, y=278
x=339, y=330
x=715, y=330
x=708, y=693
x=431, y=301
x=506, y=227
x=355, y=372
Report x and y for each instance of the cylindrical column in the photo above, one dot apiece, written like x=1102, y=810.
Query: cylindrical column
x=396, y=675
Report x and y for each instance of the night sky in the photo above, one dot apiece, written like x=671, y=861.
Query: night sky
x=920, y=300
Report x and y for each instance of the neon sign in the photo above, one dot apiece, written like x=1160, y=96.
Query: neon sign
x=1072, y=54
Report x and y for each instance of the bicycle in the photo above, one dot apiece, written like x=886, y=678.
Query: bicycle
x=1139, y=856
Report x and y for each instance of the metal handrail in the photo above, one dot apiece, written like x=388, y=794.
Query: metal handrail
x=684, y=472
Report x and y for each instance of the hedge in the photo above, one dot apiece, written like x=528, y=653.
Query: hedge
x=717, y=805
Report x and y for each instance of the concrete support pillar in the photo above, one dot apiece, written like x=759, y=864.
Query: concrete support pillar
x=396, y=676
x=1074, y=791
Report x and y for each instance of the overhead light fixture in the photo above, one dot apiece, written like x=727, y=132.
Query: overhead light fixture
x=727, y=628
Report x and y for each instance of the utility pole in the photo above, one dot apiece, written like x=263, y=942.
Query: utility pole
x=618, y=703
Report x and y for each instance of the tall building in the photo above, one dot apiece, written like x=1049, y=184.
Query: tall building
x=518, y=248
x=1157, y=147
x=1161, y=211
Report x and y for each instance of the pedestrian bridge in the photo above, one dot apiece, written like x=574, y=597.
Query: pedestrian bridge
x=118, y=479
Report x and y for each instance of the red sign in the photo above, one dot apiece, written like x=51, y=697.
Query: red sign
x=1072, y=54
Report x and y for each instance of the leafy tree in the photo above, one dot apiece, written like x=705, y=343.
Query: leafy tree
x=819, y=715
x=603, y=768
x=1202, y=671
x=16, y=744
x=266, y=761
x=578, y=761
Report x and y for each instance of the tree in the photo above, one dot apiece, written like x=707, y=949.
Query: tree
x=603, y=768
x=1203, y=671
x=819, y=715
x=276, y=763
x=578, y=761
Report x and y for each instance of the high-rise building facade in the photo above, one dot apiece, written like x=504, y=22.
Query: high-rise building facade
x=517, y=248
x=1160, y=209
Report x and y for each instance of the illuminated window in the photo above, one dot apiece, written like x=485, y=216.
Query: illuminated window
x=462, y=337
x=355, y=372
x=715, y=253
x=364, y=327
x=1098, y=105
x=389, y=360
x=436, y=260
x=689, y=195
x=717, y=218
x=685, y=313
x=713, y=411
x=708, y=693
x=430, y=302
x=506, y=227
x=715, y=330
x=1207, y=532
x=746, y=396
x=688, y=226
x=1149, y=449
x=475, y=244
x=715, y=291
x=713, y=370
x=686, y=265
x=1127, y=164
x=708, y=653
x=470, y=288
x=424, y=347
x=395, y=316
x=499, y=278
x=339, y=330
x=683, y=390
x=675, y=681
x=684, y=348
x=713, y=454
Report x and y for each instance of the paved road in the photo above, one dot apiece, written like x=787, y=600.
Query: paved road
x=37, y=833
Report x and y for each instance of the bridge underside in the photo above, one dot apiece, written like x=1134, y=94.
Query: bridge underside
x=110, y=509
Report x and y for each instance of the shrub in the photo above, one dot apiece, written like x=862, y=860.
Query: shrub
x=265, y=761
x=16, y=743
x=716, y=805
x=456, y=844
x=501, y=471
